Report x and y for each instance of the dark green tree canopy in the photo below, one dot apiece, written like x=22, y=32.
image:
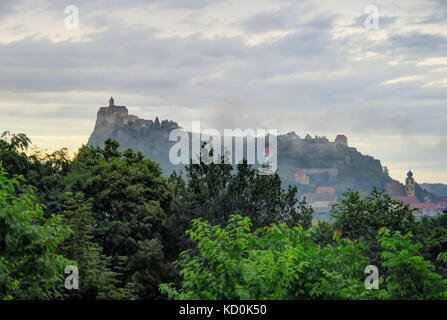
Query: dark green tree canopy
x=130, y=199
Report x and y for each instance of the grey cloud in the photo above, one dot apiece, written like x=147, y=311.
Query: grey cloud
x=8, y=7
x=289, y=17
x=418, y=43
x=439, y=15
x=114, y=4
x=285, y=18
x=180, y=71
x=384, y=21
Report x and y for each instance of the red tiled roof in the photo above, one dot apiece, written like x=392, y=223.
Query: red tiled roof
x=330, y=190
x=395, y=189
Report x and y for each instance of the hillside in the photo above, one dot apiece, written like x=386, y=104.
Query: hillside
x=306, y=162
x=334, y=164
x=437, y=189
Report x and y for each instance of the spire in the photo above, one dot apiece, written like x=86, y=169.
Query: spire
x=410, y=184
x=111, y=102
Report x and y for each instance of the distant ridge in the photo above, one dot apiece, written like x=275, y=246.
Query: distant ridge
x=437, y=189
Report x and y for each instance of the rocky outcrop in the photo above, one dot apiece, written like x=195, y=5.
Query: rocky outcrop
x=320, y=162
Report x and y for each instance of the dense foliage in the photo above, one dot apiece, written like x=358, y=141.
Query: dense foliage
x=130, y=198
x=213, y=232
x=213, y=191
x=30, y=267
x=278, y=262
x=95, y=268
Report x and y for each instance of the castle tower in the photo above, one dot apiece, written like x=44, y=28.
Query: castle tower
x=409, y=184
x=342, y=140
x=111, y=102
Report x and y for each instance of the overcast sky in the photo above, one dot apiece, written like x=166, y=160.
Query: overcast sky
x=307, y=66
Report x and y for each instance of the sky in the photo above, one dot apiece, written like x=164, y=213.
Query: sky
x=307, y=66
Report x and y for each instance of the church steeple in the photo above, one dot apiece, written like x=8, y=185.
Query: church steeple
x=111, y=102
x=409, y=184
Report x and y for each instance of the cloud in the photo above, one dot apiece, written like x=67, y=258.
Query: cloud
x=384, y=21
x=182, y=4
x=402, y=79
x=285, y=18
x=433, y=61
x=442, y=83
x=7, y=7
x=419, y=43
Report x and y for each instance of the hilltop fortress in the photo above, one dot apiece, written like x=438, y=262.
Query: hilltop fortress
x=317, y=142
x=118, y=116
x=114, y=117
x=148, y=136
x=308, y=162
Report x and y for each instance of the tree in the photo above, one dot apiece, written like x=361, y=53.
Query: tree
x=299, y=212
x=44, y=171
x=97, y=280
x=361, y=219
x=275, y=262
x=213, y=191
x=216, y=190
x=410, y=276
x=30, y=267
x=432, y=233
x=324, y=233
x=386, y=171
x=130, y=200
x=278, y=262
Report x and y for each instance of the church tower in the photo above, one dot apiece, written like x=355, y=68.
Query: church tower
x=111, y=102
x=409, y=184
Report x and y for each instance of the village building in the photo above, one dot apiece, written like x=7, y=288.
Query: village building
x=321, y=201
x=407, y=194
x=301, y=177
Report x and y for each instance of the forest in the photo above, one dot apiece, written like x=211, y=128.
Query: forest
x=213, y=232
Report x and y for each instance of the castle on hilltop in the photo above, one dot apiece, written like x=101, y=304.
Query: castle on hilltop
x=341, y=139
x=118, y=116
